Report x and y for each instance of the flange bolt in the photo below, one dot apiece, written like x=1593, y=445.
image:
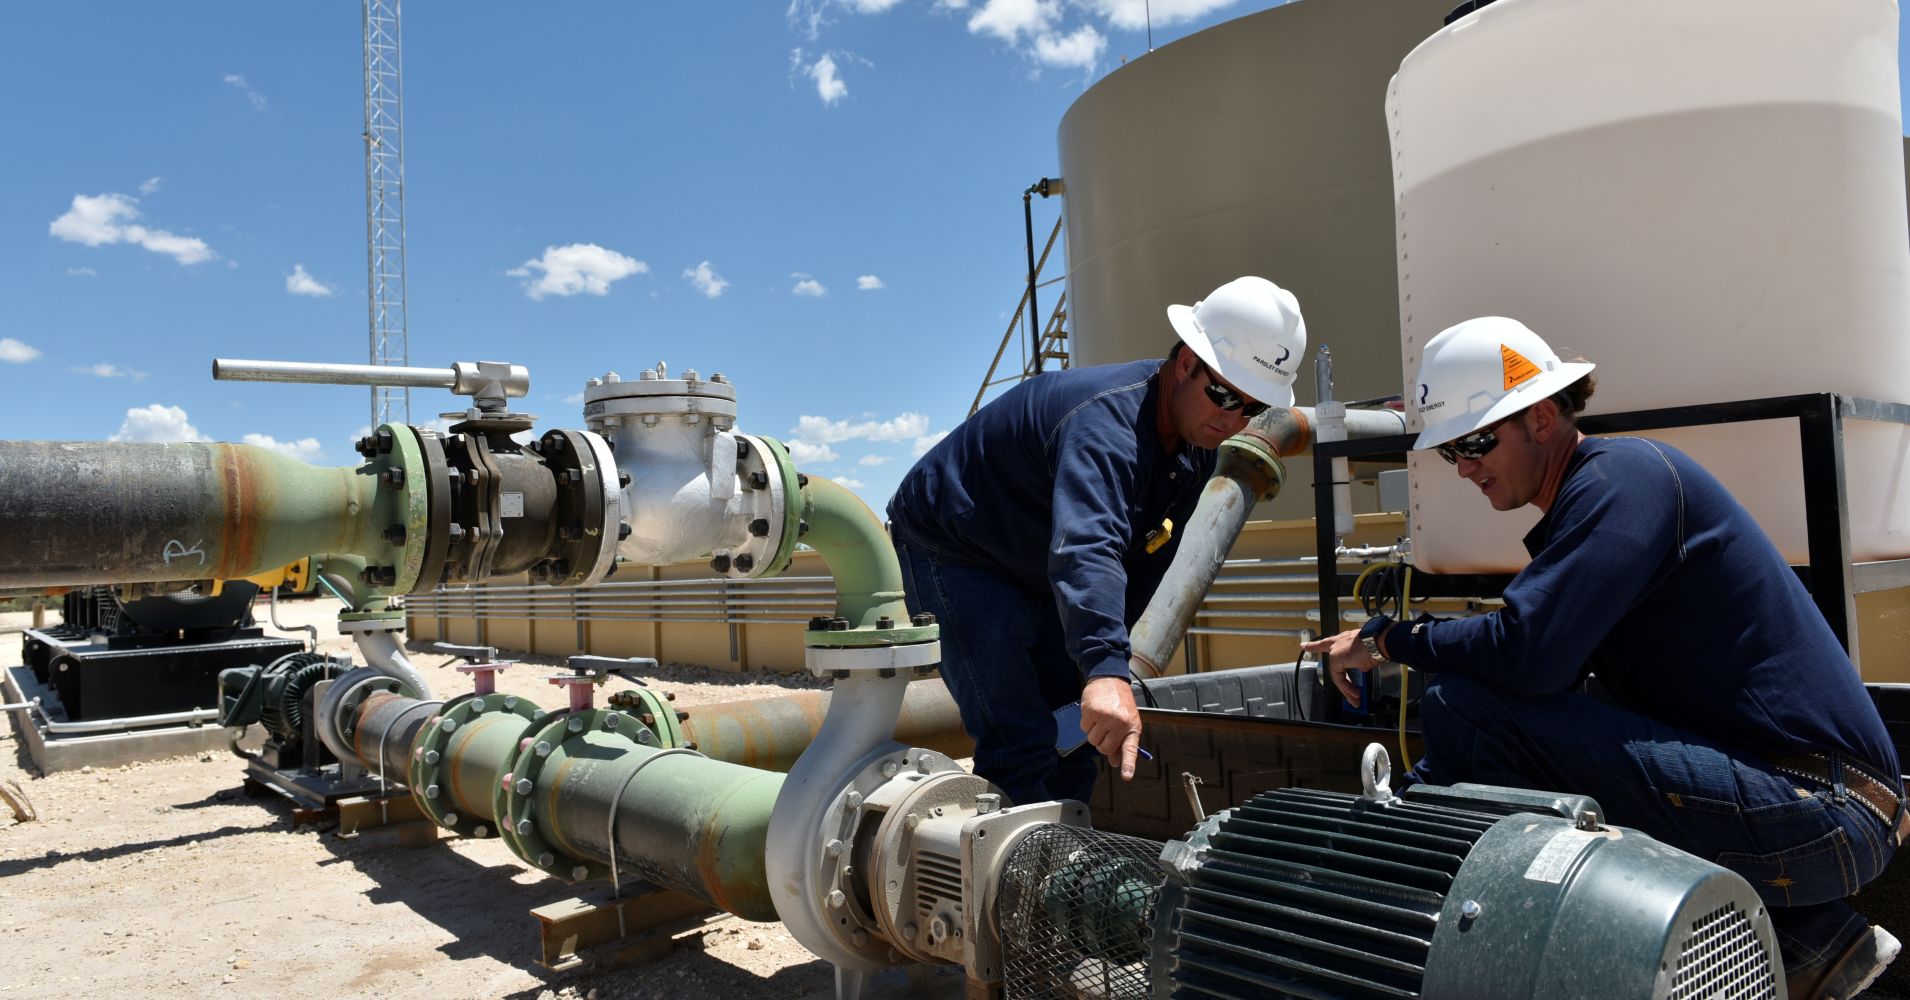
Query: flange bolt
x=720, y=564
x=759, y=527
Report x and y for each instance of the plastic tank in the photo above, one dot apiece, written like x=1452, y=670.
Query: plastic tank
x=1257, y=146
x=1705, y=197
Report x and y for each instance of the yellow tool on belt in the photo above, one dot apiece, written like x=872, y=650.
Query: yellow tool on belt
x=1160, y=536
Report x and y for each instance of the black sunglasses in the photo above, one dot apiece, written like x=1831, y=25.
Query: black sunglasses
x=1227, y=399
x=1474, y=446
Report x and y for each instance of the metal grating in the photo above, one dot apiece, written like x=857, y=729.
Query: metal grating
x=1723, y=958
x=1073, y=907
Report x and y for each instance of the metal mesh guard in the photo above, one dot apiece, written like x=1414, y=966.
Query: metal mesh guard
x=1723, y=958
x=1073, y=907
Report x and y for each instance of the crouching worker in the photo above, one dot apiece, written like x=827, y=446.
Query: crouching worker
x=1736, y=728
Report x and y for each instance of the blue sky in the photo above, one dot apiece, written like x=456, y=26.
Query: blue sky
x=821, y=200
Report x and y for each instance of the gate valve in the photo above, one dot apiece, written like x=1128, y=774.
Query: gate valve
x=587, y=672
x=480, y=662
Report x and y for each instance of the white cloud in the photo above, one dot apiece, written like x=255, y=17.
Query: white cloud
x=107, y=369
x=805, y=285
x=827, y=431
x=1008, y=20
x=149, y=185
x=1080, y=50
x=804, y=452
x=301, y=283
x=17, y=352
x=157, y=423
x=81, y=272
x=869, y=283
x=257, y=99
x=829, y=86
x=871, y=6
x=575, y=399
x=805, y=18
x=574, y=268
x=925, y=442
x=854, y=484
x=705, y=279
x=304, y=449
x=1133, y=15
x=96, y=220
x=874, y=460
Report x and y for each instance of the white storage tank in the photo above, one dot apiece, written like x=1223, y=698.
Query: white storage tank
x=1704, y=197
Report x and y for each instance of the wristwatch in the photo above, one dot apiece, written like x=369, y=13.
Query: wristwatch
x=1370, y=633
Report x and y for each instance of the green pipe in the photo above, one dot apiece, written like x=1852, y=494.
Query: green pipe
x=850, y=538
x=698, y=825
x=120, y=512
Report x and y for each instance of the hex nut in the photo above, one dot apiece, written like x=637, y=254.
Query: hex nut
x=546, y=859
x=450, y=819
x=575, y=725
x=542, y=749
x=579, y=873
x=431, y=757
x=523, y=786
x=430, y=791
x=524, y=827
x=837, y=899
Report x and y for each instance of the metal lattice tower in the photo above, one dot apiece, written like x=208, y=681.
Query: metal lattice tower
x=385, y=205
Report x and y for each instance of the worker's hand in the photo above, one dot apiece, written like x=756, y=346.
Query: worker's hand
x=1112, y=722
x=1339, y=654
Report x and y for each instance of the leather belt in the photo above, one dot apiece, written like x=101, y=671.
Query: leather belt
x=1843, y=777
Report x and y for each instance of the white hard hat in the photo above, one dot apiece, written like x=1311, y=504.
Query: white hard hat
x=1482, y=370
x=1250, y=332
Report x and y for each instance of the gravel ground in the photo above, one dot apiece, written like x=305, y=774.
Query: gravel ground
x=164, y=878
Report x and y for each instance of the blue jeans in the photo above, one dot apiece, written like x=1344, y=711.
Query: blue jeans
x=1799, y=848
x=1005, y=663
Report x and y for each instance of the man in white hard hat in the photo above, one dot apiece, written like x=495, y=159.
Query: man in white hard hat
x=1732, y=724
x=1037, y=531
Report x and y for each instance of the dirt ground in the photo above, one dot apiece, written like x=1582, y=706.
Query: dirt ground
x=163, y=878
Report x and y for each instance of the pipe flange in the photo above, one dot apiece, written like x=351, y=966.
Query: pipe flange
x=589, y=507
x=435, y=565
x=405, y=473
x=770, y=501
x=429, y=767
x=655, y=712
x=883, y=661
x=512, y=801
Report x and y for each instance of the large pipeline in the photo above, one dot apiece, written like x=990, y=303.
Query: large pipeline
x=77, y=513
x=669, y=816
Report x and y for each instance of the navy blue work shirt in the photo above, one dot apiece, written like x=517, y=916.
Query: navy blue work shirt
x=1057, y=485
x=1647, y=572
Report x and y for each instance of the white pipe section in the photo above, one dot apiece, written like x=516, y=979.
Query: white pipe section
x=859, y=725
x=383, y=653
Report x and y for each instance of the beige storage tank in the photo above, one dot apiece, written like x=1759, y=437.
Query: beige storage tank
x=1258, y=146
x=1704, y=197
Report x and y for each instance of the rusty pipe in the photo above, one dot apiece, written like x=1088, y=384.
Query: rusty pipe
x=772, y=733
x=89, y=512
x=1248, y=470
